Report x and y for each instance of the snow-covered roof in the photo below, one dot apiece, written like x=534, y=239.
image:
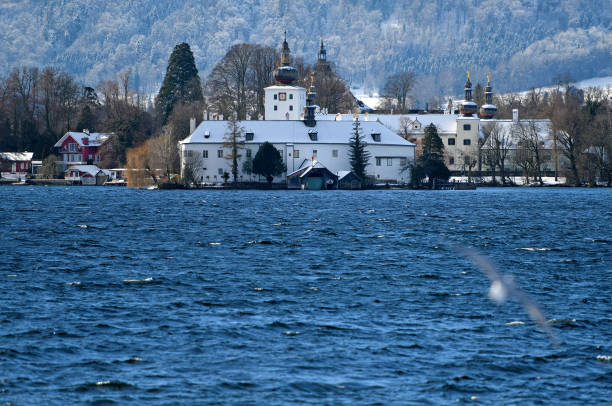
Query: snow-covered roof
x=294, y=131
x=445, y=123
x=285, y=87
x=342, y=174
x=92, y=170
x=16, y=156
x=95, y=139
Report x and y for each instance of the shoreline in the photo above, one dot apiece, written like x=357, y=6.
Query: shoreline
x=450, y=186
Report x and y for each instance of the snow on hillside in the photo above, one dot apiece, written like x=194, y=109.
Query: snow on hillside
x=520, y=42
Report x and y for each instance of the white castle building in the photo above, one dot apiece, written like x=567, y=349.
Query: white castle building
x=291, y=127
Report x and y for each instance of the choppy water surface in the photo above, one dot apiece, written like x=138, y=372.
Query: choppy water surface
x=116, y=296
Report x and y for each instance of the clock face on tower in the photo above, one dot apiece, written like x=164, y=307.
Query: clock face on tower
x=282, y=96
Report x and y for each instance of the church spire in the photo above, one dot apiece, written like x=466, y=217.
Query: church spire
x=285, y=52
x=468, y=107
x=489, y=109
x=285, y=74
x=322, y=54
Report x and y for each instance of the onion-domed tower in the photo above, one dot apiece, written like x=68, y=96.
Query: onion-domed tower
x=284, y=100
x=488, y=110
x=285, y=74
x=468, y=107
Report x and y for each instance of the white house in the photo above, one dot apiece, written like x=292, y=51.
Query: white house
x=327, y=142
x=291, y=126
x=15, y=164
x=87, y=175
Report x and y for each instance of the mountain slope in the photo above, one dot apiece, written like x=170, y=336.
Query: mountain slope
x=523, y=42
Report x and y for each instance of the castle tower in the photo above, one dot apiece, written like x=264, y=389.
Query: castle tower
x=468, y=107
x=284, y=101
x=285, y=74
x=322, y=66
x=322, y=54
x=309, y=113
x=488, y=110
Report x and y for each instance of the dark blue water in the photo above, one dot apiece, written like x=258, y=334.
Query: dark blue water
x=118, y=296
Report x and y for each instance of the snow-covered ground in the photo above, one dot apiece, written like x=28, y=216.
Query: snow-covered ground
x=603, y=83
x=373, y=99
x=518, y=180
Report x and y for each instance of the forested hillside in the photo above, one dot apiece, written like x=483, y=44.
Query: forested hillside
x=522, y=42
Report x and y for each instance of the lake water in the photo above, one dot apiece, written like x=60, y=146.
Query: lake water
x=119, y=296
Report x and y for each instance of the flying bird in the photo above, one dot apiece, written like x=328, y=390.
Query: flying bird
x=503, y=286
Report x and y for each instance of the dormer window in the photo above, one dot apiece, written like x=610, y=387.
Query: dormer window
x=376, y=137
x=314, y=136
x=249, y=136
x=206, y=134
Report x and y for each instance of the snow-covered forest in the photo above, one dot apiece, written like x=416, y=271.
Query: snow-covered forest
x=523, y=43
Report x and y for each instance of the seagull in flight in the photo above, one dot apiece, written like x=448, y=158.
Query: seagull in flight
x=503, y=286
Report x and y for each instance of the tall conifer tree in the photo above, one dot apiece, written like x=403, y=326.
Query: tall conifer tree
x=359, y=157
x=181, y=83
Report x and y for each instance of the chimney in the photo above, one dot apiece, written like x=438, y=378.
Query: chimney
x=192, y=125
x=85, y=140
x=515, y=115
x=86, y=131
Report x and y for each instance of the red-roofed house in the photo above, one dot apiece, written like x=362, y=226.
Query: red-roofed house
x=80, y=148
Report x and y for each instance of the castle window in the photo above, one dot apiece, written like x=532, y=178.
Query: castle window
x=335, y=153
x=205, y=153
x=467, y=127
x=249, y=153
x=296, y=153
x=291, y=108
x=220, y=153
x=451, y=141
x=378, y=161
x=290, y=97
x=275, y=108
x=314, y=153
x=467, y=141
x=451, y=160
x=275, y=96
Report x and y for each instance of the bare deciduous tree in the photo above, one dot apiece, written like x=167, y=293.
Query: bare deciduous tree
x=398, y=87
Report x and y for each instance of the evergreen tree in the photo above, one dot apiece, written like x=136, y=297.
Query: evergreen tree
x=359, y=157
x=235, y=142
x=433, y=147
x=181, y=83
x=268, y=162
x=431, y=162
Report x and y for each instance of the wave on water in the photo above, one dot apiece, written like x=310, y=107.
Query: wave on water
x=147, y=280
x=515, y=323
x=534, y=249
x=113, y=385
x=604, y=358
